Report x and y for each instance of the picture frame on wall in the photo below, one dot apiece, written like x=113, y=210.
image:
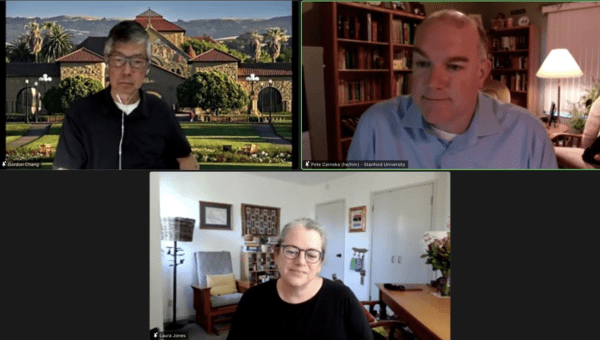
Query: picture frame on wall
x=265, y=218
x=215, y=216
x=358, y=219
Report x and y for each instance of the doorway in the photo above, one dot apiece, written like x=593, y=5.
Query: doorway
x=400, y=219
x=331, y=217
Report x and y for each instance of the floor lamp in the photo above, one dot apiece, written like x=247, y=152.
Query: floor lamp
x=176, y=229
x=559, y=64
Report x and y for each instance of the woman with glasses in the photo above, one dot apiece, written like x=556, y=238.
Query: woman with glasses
x=300, y=304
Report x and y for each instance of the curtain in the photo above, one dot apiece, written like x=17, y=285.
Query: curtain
x=576, y=27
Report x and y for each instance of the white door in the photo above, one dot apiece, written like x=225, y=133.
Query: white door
x=400, y=218
x=331, y=217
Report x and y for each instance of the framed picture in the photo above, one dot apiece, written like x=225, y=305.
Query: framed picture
x=358, y=219
x=215, y=216
x=266, y=219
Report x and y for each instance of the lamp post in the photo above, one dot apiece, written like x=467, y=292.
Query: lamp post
x=26, y=101
x=270, y=99
x=45, y=79
x=36, y=101
x=252, y=80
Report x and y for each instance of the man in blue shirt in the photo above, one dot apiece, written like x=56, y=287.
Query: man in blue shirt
x=446, y=122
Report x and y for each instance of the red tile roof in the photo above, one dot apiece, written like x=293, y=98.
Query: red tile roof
x=214, y=55
x=261, y=72
x=82, y=55
x=159, y=24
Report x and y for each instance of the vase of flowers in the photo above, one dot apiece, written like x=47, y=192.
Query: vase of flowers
x=438, y=256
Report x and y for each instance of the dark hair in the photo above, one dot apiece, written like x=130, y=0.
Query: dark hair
x=128, y=31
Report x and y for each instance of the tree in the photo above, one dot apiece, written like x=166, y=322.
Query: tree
x=285, y=56
x=57, y=43
x=201, y=46
x=214, y=91
x=19, y=51
x=256, y=39
x=58, y=99
x=275, y=36
x=35, y=38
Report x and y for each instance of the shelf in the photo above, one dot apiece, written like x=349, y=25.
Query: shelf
x=362, y=42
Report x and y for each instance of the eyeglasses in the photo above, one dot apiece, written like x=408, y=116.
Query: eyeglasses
x=134, y=62
x=292, y=253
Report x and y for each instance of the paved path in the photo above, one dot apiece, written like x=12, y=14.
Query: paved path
x=36, y=131
x=267, y=132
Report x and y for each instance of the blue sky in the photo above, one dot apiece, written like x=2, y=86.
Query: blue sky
x=170, y=10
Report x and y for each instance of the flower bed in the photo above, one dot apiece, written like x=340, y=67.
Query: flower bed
x=218, y=156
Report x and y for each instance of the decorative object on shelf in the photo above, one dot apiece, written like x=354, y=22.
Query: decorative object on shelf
x=215, y=216
x=523, y=21
x=259, y=220
x=499, y=21
x=176, y=229
x=358, y=219
x=509, y=22
x=264, y=247
x=559, y=64
x=374, y=3
x=438, y=256
x=416, y=8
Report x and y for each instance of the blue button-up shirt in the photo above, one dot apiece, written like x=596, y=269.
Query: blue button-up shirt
x=500, y=136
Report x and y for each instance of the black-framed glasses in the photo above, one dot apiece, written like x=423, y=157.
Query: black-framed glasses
x=135, y=62
x=292, y=253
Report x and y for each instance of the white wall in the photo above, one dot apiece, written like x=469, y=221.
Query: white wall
x=179, y=195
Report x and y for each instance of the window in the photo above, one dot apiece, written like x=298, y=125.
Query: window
x=574, y=26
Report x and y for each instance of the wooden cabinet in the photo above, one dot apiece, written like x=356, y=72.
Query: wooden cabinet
x=257, y=266
x=367, y=56
x=515, y=61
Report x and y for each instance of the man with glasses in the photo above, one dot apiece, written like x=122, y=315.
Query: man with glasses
x=446, y=122
x=122, y=127
x=300, y=304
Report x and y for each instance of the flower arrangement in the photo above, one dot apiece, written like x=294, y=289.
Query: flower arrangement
x=437, y=247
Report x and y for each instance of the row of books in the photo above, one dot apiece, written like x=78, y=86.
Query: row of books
x=402, y=60
x=362, y=27
x=403, y=32
x=510, y=43
x=515, y=82
x=365, y=90
x=512, y=62
x=400, y=84
x=360, y=57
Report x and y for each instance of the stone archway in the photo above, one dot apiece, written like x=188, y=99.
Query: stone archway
x=27, y=97
x=269, y=100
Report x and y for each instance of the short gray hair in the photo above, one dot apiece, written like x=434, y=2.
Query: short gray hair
x=459, y=20
x=308, y=224
x=128, y=31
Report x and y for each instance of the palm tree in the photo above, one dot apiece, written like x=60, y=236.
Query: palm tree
x=19, y=50
x=256, y=38
x=57, y=43
x=275, y=36
x=35, y=38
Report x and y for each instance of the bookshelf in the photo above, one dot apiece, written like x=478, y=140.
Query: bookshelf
x=367, y=56
x=514, y=53
x=258, y=265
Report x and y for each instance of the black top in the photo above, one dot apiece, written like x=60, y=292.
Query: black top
x=91, y=131
x=334, y=313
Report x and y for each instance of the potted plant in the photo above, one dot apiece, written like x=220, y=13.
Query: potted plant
x=263, y=243
x=580, y=115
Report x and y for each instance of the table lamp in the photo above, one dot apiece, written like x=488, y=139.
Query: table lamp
x=176, y=229
x=559, y=64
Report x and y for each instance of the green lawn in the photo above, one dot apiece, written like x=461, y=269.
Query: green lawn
x=284, y=130
x=218, y=129
x=14, y=131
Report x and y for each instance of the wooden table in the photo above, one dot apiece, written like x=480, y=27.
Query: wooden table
x=427, y=315
x=556, y=128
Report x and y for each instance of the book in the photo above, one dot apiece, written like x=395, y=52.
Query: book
x=369, y=27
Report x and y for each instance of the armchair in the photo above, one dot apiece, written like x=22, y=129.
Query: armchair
x=496, y=89
x=569, y=147
x=212, y=310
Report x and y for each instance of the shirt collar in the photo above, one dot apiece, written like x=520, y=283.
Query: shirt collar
x=484, y=122
x=142, y=109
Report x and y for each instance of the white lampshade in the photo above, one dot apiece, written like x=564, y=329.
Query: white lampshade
x=559, y=64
